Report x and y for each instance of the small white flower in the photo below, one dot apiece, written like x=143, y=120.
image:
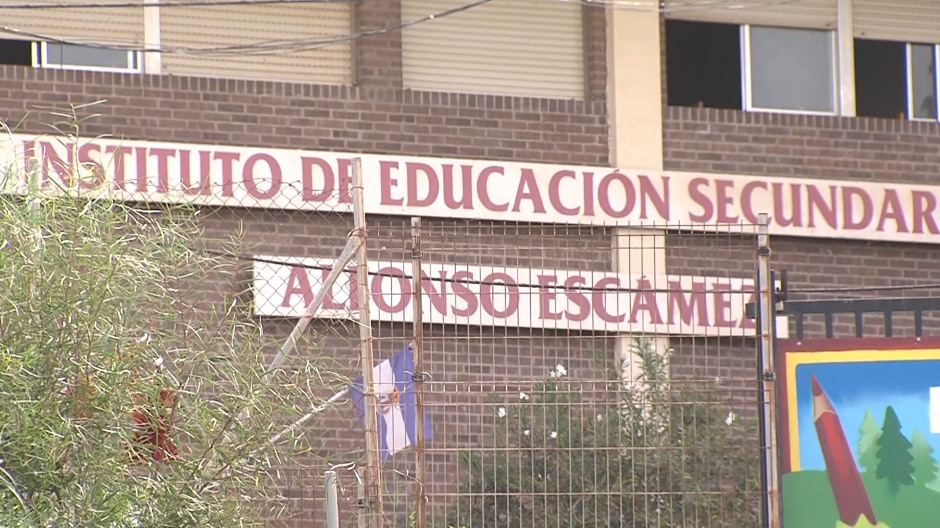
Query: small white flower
x=526, y=432
x=599, y=418
x=553, y=434
x=551, y=374
x=501, y=412
x=730, y=419
x=560, y=370
x=523, y=396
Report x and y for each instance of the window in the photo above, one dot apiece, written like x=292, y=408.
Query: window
x=75, y=57
x=703, y=64
x=16, y=52
x=750, y=67
x=789, y=69
x=922, y=81
x=895, y=79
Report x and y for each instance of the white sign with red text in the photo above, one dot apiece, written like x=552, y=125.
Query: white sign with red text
x=515, y=297
x=487, y=190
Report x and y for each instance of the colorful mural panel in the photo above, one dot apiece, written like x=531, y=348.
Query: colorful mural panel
x=860, y=433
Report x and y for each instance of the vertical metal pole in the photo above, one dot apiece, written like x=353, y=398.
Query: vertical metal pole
x=362, y=512
x=32, y=196
x=332, y=505
x=373, y=473
x=418, y=351
x=766, y=326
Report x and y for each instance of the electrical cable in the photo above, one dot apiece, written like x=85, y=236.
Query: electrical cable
x=475, y=282
x=447, y=280
x=255, y=48
x=282, y=46
x=165, y=3
x=663, y=6
x=862, y=289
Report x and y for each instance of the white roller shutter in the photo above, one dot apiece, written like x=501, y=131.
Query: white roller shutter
x=901, y=20
x=811, y=14
x=239, y=25
x=510, y=47
x=102, y=25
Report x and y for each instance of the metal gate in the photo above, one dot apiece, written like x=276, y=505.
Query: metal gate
x=844, y=396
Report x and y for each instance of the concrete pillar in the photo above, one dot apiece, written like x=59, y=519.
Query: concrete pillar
x=635, y=112
x=153, y=62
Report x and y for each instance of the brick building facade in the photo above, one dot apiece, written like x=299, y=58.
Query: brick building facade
x=376, y=112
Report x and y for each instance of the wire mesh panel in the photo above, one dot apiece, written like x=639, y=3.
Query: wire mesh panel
x=574, y=376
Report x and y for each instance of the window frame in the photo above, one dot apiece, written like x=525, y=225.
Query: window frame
x=909, y=69
x=747, y=85
x=41, y=56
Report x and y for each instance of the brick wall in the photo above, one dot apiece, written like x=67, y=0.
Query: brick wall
x=840, y=148
x=375, y=116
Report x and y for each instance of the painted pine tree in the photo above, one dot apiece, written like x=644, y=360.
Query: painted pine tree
x=925, y=465
x=868, y=432
x=895, y=461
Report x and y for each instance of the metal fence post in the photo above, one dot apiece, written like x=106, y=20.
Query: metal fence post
x=418, y=375
x=332, y=504
x=373, y=473
x=766, y=326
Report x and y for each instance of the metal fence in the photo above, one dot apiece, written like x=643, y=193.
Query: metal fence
x=553, y=393
x=567, y=375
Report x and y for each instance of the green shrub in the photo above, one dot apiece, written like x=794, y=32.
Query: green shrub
x=106, y=307
x=655, y=453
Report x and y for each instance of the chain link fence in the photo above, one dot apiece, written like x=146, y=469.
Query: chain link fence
x=566, y=375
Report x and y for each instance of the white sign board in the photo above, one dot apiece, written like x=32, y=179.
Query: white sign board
x=935, y=410
x=479, y=189
x=515, y=297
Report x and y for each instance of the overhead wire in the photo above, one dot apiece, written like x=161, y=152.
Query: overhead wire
x=664, y=6
x=285, y=46
x=253, y=48
x=162, y=3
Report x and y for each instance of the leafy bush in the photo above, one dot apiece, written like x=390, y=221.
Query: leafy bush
x=657, y=453
x=121, y=380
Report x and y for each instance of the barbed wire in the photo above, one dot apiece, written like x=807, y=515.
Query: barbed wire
x=476, y=282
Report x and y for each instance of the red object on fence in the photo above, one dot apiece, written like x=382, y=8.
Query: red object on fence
x=152, y=438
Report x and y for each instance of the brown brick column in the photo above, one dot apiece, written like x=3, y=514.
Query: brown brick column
x=378, y=57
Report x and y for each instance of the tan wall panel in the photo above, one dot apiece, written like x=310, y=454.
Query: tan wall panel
x=236, y=25
x=802, y=13
x=511, y=47
x=901, y=20
x=108, y=25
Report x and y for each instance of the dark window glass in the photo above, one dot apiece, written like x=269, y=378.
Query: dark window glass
x=880, y=78
x=16, y=52
x=703, y=64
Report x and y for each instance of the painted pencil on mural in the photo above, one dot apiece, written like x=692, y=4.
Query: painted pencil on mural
x=847, y=487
